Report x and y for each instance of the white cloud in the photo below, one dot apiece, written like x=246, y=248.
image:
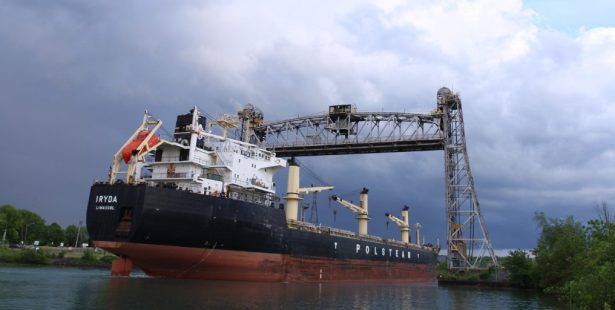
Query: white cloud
x=476, y=33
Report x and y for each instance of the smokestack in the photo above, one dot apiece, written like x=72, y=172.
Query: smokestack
x=292, y=191
x=363, y=218
x=417, y=228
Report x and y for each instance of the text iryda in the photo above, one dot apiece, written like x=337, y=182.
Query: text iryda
x=106, y=199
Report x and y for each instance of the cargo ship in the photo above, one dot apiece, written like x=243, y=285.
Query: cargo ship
x=202, y=205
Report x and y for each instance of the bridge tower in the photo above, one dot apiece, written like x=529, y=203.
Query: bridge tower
x=467, y=239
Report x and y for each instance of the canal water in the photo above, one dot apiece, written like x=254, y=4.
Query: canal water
x=72, y=288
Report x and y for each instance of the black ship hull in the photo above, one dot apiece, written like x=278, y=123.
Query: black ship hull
x=172, y=233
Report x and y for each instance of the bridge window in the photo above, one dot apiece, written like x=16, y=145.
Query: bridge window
x=183, y=154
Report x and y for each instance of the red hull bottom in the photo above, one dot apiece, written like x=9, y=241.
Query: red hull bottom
x=217, y=264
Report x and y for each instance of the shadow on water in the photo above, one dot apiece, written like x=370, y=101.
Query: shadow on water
x=57, y=288
x=172, y=293
x=156, y=293
x=494, y=298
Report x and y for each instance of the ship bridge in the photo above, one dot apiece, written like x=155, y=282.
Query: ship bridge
x=343, y=130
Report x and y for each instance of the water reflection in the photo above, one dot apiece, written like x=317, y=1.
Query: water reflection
x=56, y=288
x=158, y=293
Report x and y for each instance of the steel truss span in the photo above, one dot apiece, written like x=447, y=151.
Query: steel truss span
x=343, y=130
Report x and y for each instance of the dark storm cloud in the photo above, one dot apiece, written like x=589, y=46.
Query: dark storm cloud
x=76, y=77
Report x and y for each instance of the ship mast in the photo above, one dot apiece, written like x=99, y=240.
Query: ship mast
x=403, y=224
x=360, y=211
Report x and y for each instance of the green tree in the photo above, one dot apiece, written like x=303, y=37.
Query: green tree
x=54, y=235
x=593, y=286
x=33, y=226
x=520, y=267
x=561, y=248
x=11, y=222
x=70, y=235
x=84, y=237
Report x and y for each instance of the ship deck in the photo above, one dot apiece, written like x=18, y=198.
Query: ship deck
x=320, y=229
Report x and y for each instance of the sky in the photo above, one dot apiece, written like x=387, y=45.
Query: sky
x=535, y=78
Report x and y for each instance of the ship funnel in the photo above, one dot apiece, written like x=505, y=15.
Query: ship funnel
x=363, y=217
x=292, y=191
x=417, y=228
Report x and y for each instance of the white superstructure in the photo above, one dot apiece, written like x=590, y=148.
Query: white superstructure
x=199, y=161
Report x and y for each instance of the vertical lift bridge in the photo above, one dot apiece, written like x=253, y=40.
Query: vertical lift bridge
x=342, y=130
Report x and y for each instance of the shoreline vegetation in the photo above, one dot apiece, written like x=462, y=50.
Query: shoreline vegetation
x=572, y=261
x=19, y=227
x=56, y=256
x=27, y=239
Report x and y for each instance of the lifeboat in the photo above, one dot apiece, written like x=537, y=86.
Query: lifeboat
x=127, y=152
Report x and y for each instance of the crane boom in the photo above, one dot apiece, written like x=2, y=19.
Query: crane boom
x=354, y=208
x=315, y=189
x=396, y=220
x=360, y=211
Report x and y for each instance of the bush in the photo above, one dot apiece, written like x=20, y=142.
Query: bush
x=561, y=250
x=471, y=277
x=9, y=256
x=33, y=256
x=576, y=262
x=520, y=269
x=107, y=259
x=486, y=274
x=88, y=256
x=442, y=267
x=593, y=284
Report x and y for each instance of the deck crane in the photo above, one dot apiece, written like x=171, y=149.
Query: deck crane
x=403, y=224
x=314, y=190
x=360, y=211
x=293, y=190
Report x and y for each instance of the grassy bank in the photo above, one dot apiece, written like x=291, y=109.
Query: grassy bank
x=482, y=278
x=56, y=256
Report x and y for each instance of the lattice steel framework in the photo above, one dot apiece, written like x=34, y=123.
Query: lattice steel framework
x=345, y=131
x=466, y=245
x=351, y=132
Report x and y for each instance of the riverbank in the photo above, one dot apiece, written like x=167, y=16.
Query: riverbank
x=56, y=256
x=487, y=278
x=481, y=284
